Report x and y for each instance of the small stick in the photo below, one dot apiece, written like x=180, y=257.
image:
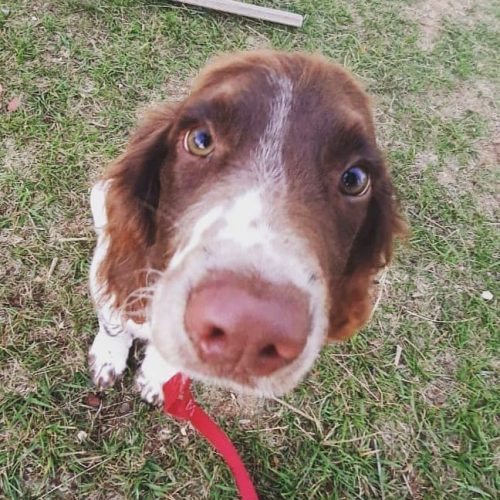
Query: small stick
x=379, y=469
x=399, y=350
x=312, y=418
x=248, y=10
x=52, y=268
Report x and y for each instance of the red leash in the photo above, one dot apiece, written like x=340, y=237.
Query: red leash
x=179, y=402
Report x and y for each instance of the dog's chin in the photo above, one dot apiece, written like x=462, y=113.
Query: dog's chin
x=264, y=387
x=177, y=352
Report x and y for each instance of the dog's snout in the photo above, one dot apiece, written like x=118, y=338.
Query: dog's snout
x=247, y=326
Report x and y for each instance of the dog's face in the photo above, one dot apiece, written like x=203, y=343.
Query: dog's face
x=265, y=206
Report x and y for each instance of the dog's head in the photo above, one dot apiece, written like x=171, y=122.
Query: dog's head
x=264, y=207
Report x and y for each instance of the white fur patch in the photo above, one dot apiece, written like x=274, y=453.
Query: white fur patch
x=242, y=221
x=269, y=157
x=98, y=205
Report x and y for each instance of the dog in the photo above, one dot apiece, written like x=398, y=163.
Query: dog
x=242, y=228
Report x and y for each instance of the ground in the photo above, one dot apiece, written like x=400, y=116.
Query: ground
x=408, y=409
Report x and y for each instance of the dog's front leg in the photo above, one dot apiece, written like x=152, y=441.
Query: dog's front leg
x=108, y=353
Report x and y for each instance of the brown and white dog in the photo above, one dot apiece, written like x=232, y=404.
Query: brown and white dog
x=241, y=229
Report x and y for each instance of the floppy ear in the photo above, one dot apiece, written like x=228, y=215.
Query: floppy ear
x=372, y=250
x=131, y=207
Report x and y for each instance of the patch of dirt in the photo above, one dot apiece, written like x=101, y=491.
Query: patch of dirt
x=476, y=179
x=18, y=160
x=443, y=366
x=16, y=379
x=174, y=89
x=431, y=15
x=257, y=41
x=425, y=158
x=448, y=361
x=398, y=438
x=386, y=125
x=478, y=97
x=251, y=413
x=436, y=393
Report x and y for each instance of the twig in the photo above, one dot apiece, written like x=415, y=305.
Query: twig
x=301, y=413
x=450, y=321
x=72, y=478
x=83, y=238
x=249, y=10
x=397, y=358
x=327, y=442
x=379, y=469
x=381, y=291
x=52, y=268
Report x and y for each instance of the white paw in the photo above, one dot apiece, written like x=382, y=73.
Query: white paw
x=103, y=375
x=154, y=372
x=108, y=358
x=150, y=390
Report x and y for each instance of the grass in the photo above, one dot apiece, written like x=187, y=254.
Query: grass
x=426, y=428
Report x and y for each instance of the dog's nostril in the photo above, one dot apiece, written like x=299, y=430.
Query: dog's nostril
x=216, y=333
x=214, y=341
x=269, y=352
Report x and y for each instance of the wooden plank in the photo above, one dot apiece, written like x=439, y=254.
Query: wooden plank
x=249, y=10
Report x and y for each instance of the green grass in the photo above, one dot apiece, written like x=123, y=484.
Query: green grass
x=427, y=428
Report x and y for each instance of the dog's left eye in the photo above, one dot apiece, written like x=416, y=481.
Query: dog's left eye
x=199, y=142
x=355, y=181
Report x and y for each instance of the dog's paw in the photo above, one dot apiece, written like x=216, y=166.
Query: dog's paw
x=150, y=390
x=154, y=372
x=103, y=374
x=108, y=358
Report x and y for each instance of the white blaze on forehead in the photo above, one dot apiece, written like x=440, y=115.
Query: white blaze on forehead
x=269, y=157
x=239, y=215
x=241, y=220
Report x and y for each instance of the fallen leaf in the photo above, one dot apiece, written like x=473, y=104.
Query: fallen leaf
x=93, y=400
x=13, y=104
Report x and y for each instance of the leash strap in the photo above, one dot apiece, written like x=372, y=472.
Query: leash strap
x=179, y=402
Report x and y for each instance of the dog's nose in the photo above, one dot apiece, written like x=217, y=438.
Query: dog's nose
x=246, y=325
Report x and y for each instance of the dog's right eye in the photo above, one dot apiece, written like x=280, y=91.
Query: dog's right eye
x=355, y=181
x=199, y=142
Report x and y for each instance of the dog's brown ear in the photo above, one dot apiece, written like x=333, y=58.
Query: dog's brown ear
x=131, y=206
x=371, y=251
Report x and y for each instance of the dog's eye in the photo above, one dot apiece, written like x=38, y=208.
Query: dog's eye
x=355, y=181
x=199, y=142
